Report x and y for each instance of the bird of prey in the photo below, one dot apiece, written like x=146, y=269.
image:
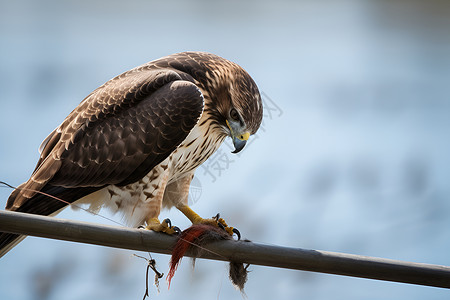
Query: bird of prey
x=134, y=143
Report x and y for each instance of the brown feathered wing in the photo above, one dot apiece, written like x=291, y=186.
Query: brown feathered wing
x=115, y=136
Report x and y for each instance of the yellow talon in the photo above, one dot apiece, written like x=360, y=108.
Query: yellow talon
x=228, y=229
x=166, y=226
x=215, y=221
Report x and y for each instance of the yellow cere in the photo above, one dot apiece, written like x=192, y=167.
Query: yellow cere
x=244, y=136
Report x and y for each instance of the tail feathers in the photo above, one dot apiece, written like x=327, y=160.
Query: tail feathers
x=52, y=199
x=14, y=195
x=9, y=241
x=41, y=204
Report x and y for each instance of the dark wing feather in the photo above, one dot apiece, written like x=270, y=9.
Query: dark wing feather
x=116, y=135
x=124, y=148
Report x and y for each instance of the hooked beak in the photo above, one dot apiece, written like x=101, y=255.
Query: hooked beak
x=239, y=139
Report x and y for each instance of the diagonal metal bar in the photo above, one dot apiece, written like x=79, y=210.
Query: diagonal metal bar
x=240, y=251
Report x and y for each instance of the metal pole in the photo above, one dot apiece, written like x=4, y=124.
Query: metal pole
x=240, y=251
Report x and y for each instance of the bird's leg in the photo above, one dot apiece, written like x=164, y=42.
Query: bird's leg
x=155, y=204
x=164, y=226
x=214, y=221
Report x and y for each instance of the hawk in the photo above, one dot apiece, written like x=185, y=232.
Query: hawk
x=133, y=144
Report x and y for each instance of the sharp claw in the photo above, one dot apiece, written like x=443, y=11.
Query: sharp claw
x=217, y=217
x=176, y=229
x=237, y=233
x=169, y=223
x=141, y=227
x=220, y=225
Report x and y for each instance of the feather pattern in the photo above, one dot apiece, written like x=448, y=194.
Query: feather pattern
x=141, y=132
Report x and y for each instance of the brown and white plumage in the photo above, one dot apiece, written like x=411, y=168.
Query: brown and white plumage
x=134, y=143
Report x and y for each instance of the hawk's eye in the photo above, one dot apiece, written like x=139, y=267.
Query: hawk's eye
x=234, y=114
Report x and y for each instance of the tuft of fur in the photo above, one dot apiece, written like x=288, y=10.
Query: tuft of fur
x=238, y=275
x=193, y=239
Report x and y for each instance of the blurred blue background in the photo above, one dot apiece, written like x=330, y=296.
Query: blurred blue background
x=353, y=155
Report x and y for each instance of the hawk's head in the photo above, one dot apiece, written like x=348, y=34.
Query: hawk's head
x=241, y=108
x=232, y=98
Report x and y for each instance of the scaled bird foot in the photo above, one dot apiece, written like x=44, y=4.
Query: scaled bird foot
x=164, y=226
x=214, y=221
x=219, y=222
